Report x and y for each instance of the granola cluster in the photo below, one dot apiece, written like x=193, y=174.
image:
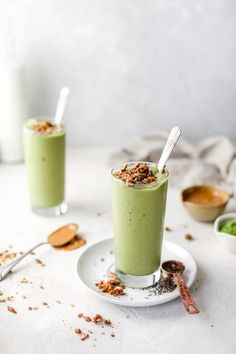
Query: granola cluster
x=113, y=287
x=138, y=174
x=44, y=126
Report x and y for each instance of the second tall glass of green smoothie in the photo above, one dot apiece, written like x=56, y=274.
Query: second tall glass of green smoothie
x=44, y=148
x=139, y=200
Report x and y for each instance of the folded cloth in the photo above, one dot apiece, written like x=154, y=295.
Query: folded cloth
x=213, y=160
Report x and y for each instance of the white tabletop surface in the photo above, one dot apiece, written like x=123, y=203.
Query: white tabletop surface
x=163, y=329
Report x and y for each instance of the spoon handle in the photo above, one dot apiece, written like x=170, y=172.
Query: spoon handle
x=188, y=302
x=170, y=144
x=5, y=270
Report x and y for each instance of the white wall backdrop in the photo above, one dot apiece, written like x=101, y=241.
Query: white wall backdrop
x=133, y=66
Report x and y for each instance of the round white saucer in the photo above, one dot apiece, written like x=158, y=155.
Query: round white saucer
x=95, y=261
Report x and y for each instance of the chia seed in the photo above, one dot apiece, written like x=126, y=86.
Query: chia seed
x=163, y=286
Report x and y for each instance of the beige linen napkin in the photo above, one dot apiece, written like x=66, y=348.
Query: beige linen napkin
x=213, y=160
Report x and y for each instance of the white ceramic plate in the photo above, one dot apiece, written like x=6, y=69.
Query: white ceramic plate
x=95, y=261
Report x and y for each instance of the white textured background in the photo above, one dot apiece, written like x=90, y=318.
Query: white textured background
x=132, y=65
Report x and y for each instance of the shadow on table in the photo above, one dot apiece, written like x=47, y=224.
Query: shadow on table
x=88, y=208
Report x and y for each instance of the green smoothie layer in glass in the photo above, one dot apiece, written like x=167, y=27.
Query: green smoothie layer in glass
x=44, y=150
x=138, y=217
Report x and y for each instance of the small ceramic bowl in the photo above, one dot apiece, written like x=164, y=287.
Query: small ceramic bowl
x=204, y=202
x=228, y=241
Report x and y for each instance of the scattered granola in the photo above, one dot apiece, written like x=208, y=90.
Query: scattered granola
x=84, y=336
x=88, y=319
x=11, y=309
x=138, y=174
x=30, y=308
x=10, y=298
x=97, y=319
x=188, y=237
x=39, y=262
x=6, y=256
x=78, y=331
x=24, y=281
x=113, y=287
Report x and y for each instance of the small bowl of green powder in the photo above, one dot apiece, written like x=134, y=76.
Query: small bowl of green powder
x=225, y=230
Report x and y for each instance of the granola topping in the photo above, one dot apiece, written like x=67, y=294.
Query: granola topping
x=140, y=173
x=45, y=127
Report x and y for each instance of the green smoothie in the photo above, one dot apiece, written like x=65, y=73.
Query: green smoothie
x=45, y=161
x=138, y=217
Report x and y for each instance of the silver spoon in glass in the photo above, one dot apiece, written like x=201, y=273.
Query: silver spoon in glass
x=170, y=144
x=58, y=238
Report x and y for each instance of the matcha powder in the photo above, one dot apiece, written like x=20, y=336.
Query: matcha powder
x=229, y=228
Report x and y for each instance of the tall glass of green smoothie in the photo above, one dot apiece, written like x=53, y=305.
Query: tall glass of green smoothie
x=44, y=149
x=139, y=200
